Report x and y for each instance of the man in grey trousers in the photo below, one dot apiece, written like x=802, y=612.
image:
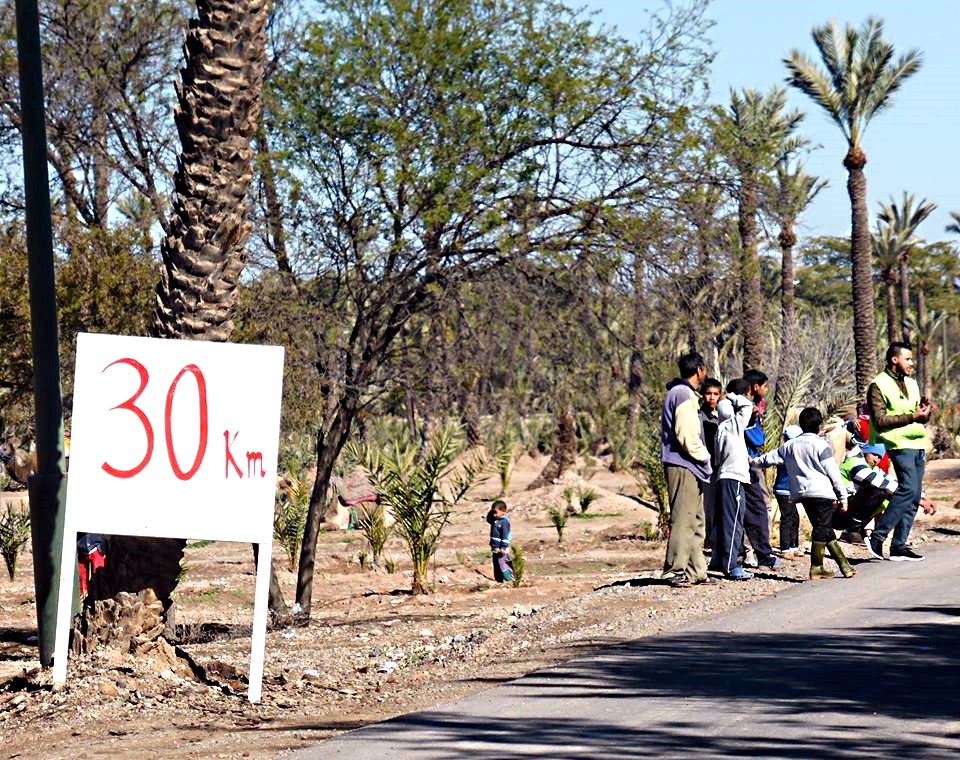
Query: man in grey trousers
x=686, y=464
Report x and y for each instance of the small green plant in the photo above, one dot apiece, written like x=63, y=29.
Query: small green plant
x=391, y=565
x=290, y=517
x=373, y=525
x=568, y=498
x=559, y=519
x=462, y=558
x=648, y=531
x=587, y=496
x=519, y=564
x=364, y=559
x=503, y=459
x=14, y=533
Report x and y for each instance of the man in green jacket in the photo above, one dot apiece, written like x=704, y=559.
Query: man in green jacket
x=897, y=417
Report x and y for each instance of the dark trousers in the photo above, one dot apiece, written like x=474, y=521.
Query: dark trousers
x=731, y=504
x=710, y=514
x=820, y=512
x=862, y=507
x=909, y=465
x=502, y=571
x=756, y=521
x=789, y=523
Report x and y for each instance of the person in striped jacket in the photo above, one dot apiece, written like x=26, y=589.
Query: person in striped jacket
x=500, y=540
x=868, y=487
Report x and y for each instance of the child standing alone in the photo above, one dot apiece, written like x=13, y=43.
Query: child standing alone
x=500, y=540
x=815, y=481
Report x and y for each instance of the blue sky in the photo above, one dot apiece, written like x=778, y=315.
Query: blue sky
x=912, y=146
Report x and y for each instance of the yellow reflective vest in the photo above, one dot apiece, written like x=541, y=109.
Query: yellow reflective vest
x=913, y=435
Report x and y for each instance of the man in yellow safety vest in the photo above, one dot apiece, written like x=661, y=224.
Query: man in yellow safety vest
x=897, y=417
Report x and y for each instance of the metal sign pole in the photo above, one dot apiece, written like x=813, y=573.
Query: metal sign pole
x=47, y=497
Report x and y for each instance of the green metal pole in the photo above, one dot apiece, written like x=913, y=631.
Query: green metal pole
x=47, y=486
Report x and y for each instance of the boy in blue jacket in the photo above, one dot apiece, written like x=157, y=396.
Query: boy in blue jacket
x=500, y=540
x=789, y=517
x=756, y=520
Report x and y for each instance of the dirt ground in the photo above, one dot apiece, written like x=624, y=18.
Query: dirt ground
x=372, y=650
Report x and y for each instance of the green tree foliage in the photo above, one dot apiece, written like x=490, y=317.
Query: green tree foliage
x=754, y=134
x=427, y=144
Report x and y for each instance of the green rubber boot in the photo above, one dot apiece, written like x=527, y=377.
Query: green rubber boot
x=837, y=553
x=817, y=570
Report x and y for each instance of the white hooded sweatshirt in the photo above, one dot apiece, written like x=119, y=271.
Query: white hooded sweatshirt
x=730, y=449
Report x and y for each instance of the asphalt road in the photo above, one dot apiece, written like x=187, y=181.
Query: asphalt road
x=860, y=668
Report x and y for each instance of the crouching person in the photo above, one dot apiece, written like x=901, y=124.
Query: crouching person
x=868, y=487
x=815, y=481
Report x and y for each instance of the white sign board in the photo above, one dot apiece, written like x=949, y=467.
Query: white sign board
x=173, y=439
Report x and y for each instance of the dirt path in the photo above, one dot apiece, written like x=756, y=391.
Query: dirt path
x=372, y=651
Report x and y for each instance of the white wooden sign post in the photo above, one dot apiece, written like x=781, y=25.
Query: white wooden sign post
x=173, y=439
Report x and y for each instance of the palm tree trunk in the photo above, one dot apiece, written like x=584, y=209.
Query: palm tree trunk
x=217, y=115
x=751, y=295
x=788, y=320
x=564, y=451
x=204, y=254
x=923, y=352
x=635, y=366
x=864, y=335
x=905, y=297
x=888, y=284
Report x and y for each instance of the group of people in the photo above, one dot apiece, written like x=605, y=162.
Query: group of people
x=712, y=442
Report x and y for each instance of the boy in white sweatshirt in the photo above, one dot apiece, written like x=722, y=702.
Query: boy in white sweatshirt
x=815, y=481
x=731, y=468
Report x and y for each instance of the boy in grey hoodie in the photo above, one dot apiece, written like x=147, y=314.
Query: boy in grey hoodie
x=815, y=481
x=732, y=473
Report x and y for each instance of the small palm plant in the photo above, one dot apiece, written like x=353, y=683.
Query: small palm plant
x=373, y=525
x=14, y=533
x=503, y=459
x=420, y=493
x=290, y=517
x=586, y=496
x=518, y=564
x=559, y=519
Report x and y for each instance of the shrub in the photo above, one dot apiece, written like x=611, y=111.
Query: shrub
x=374, y=527
x=503, y=458
x=559, y=519
x=420, y=492
x=14, y=533
x=391, y=565
x=587, y=496
x=290, y=518
x=647, y=531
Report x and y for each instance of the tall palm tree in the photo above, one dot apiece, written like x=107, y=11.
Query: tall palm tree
x=904, y=219
x=204, y=252
x=790, y=192
x=886, y=253
x=754, y=134
x=857, y=81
